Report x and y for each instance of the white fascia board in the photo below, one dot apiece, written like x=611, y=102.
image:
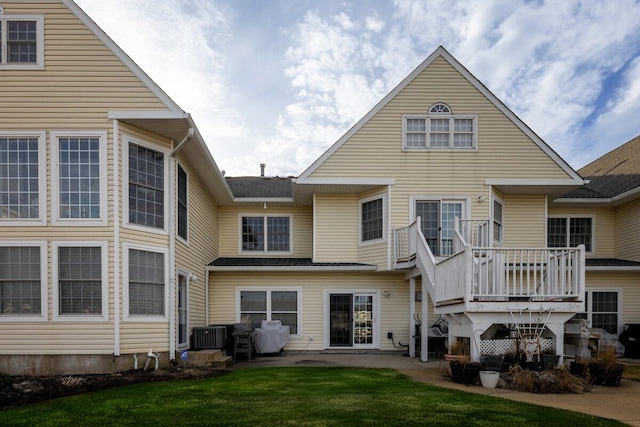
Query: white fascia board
x=530, y=181
x=441, y=51
x=148, y=115
x=293, y=268
x=577, y=201
x=345, y=181
x=135, y=69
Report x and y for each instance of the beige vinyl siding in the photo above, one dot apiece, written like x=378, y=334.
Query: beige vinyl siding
x=57, y=338
x=627, y=236
x=140, y=337
x=302, y=229
x=627, y=283
x=504, y=151
x=202, y=247
x=604, y=226
x=524, y=221
x=81, y=81
x=336, y=228
x=394, y=308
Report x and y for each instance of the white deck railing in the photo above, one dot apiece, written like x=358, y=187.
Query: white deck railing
x=493, y=274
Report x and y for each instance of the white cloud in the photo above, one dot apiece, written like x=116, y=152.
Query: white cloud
x=551, y=62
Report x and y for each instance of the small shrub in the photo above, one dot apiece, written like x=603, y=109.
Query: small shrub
x=71, y=381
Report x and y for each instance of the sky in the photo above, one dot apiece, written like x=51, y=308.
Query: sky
x=279, y=81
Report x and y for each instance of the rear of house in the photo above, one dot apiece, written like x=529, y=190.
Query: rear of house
x=119, y=235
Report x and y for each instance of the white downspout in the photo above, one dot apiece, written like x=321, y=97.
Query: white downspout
x=116, y=238
x=172, y=258
x=412, y=318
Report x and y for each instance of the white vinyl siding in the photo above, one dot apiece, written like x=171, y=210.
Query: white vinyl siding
x=21, y=42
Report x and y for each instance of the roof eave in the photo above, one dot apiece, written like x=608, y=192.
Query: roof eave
x=292, y=268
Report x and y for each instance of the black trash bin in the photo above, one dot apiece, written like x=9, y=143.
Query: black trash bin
x=630, y=337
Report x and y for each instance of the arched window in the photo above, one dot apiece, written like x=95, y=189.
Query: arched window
x=439, y=108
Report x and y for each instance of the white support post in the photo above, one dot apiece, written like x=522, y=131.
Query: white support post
x=412, y=317
x=424, y=329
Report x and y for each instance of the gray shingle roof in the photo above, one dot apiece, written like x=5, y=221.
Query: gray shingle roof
x=612, y=174
x=261, y=187
x=279, y=262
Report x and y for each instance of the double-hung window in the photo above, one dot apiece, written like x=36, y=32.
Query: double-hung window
x=372, y=220
x=440, y=129
x=146, y=168
x=183, y=217
x=256, y=305
x=81, y=280
x=79, y=178
x=265, y=233
x=568, y=232
x=497, y=220
x=146, y=283
x=21, y=41
x=22, y=269
x=602, y=310
x=22, y=178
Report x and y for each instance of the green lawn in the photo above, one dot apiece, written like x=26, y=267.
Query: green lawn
x=291, y=397
x=632, y=373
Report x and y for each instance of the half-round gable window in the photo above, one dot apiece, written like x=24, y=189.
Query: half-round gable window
x=440, y=108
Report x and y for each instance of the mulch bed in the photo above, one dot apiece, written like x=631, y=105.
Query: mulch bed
x=22, y=390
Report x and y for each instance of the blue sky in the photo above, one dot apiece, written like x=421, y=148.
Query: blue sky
x=278, y=82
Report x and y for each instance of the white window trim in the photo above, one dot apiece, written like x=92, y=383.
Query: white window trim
x=55, y=179
x=179, y=237
x=125, y=288
x=55, y=286
x=589, y=311
x=265, y=216
x=384, y=220
x=494, y=199
x=568, y=218
x=125, y=185
x=43, y=316
x=42, y=179
x=377, y=327
x=427, y=118
x=39, y=19
x=187, y=276
x=268, y=290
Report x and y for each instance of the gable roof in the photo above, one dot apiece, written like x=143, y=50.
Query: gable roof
x=442, y=52
x=612, y=175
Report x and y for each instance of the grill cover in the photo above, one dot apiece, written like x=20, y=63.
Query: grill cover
x=271, y=337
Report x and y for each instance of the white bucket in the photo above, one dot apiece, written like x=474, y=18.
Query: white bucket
x=489, y=379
